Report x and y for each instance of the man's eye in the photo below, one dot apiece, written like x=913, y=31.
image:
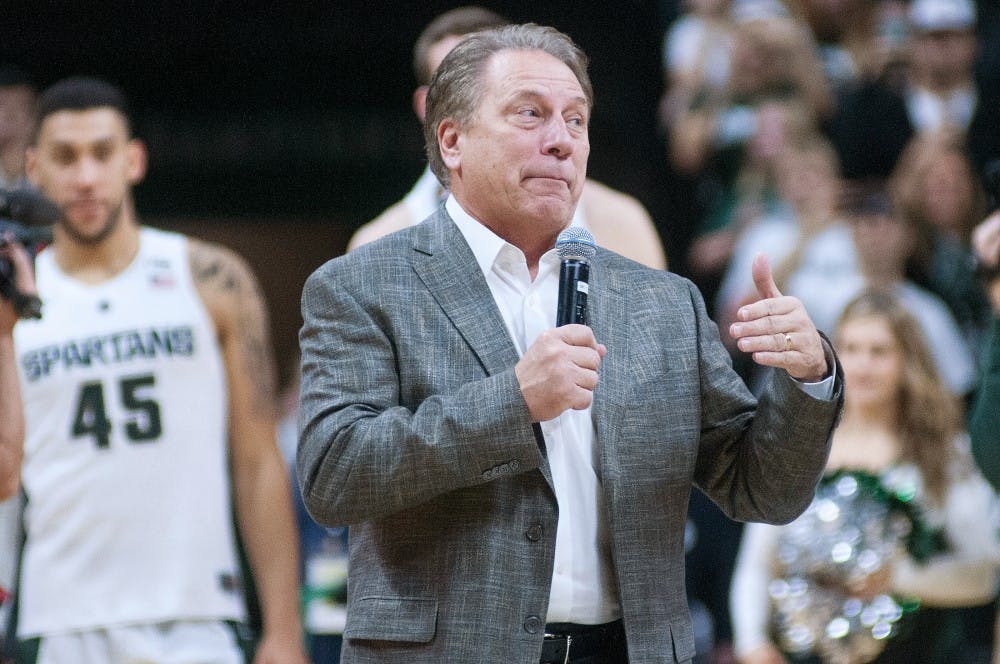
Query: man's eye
x=63, y=156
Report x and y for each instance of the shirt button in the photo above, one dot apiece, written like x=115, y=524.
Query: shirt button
x=534, y=532
x=532, y=624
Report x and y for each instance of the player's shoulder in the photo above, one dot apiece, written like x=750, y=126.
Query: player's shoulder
x=601, y=201
x=223, y=279
x=211, y=259
x=395, y=217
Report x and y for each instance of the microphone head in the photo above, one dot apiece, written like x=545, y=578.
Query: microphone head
x=576, y=242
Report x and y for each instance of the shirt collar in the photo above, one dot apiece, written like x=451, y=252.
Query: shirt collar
x=485, y=244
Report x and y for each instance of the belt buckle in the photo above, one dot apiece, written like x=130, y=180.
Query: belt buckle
x=569, y=642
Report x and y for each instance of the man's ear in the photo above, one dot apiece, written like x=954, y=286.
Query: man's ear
x=138, y=161
x=449, y=140
x=420, y=102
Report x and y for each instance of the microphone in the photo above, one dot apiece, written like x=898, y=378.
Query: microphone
x=575, y=247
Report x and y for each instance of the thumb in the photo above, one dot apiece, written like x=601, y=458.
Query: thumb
x=763, y=278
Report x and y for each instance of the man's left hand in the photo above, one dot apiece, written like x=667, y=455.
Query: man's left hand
x=777, y=331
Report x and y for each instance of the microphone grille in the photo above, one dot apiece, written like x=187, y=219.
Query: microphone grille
x=576, y=242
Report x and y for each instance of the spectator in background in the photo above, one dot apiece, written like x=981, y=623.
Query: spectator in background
x=942, y=198
x=617, y=221
x=17, y=274
x=697, y=55
x=884, y=242
x=729, y=140
x=939, y=93
x=857, y=39
x=17, y=121
x=15, y=258
x=903, y=526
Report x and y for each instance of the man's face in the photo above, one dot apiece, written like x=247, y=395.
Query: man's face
x=883, y=242
x=519, y=165
x=86, y=164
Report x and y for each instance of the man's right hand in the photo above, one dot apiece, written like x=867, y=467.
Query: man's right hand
x=559, y=371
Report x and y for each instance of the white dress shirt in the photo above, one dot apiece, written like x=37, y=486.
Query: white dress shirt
x=583, y=584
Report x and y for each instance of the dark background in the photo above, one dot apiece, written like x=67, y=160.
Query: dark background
x=278, y=129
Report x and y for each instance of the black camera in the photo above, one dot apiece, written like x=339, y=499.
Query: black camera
x=25, y=217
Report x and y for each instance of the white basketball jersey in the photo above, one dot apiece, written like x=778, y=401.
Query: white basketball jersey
x=128, y=514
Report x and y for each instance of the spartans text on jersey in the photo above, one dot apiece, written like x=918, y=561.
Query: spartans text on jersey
x=107, y=349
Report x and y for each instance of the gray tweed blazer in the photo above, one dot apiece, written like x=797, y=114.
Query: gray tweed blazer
x=413, y=431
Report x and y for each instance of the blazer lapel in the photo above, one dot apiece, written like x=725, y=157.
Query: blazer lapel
x=449, y=270
x=607, y=308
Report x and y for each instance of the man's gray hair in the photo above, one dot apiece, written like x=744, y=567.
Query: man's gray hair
x=456, y=89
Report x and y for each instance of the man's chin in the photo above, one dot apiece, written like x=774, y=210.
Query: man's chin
x=554, y=214
x=88, y=233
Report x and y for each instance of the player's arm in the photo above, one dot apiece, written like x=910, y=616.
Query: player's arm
x=261, y=490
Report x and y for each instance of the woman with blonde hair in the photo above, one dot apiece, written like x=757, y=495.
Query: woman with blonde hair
x=902, y=529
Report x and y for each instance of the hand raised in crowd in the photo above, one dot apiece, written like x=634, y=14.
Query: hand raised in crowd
x=559, y=371
x=777, y=331
x=986, y=245
x=24, y=279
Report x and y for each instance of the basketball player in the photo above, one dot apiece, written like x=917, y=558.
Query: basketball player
x=148, y=390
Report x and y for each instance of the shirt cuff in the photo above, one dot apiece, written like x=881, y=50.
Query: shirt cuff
x=823, y=390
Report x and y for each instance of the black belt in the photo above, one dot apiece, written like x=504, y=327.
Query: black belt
x=569, y=642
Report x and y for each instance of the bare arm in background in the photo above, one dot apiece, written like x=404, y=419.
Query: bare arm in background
x=261, y=490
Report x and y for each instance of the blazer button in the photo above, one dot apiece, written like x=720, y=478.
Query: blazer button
x=534, y=532
x=533, y=624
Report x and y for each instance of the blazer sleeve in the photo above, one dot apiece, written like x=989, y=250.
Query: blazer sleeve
x=362, y=454
x=759, y=462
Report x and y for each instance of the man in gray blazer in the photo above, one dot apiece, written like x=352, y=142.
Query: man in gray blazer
x=516, y=492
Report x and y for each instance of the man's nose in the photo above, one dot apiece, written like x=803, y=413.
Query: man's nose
x=87, y=170
x=558, y=140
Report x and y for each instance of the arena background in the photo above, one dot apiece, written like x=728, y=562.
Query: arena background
x=279, y=128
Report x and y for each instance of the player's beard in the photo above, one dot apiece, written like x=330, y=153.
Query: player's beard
x=110, y=224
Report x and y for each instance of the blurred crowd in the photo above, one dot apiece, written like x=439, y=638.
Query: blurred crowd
x=856, y=143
